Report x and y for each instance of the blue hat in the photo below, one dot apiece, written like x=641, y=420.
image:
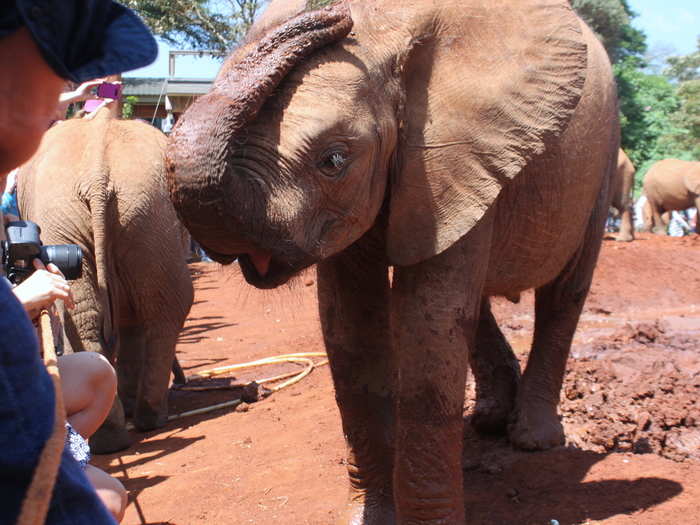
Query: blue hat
x=82, y=39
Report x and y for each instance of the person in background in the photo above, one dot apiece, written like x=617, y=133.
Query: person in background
x=42, y=44
x=679, y=225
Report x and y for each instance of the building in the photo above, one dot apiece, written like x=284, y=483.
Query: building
x=157, y=98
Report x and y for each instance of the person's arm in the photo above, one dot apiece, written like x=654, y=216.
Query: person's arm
x=82, y=92
x=42, y=289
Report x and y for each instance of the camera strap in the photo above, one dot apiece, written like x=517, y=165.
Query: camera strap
x=36, y=502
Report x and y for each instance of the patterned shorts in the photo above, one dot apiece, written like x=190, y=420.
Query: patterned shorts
x=77, y=446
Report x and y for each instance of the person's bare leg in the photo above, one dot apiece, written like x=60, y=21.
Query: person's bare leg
x=89, y=384
x=110, y=491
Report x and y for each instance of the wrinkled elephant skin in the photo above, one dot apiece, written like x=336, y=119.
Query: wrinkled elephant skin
x=100, y=184
x=468, y=145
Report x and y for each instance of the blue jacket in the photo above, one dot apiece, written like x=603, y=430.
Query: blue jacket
x=26, y=421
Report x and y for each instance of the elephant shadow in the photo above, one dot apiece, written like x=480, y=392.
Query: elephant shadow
x=506, y=487
x=198, y=329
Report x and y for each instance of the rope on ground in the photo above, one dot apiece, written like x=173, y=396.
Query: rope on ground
x=36, y=502
x=302, y=358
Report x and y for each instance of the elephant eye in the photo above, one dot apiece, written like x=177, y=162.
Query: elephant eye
x=333, y=162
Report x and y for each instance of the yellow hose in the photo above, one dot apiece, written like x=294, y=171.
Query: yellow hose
x=301, y=358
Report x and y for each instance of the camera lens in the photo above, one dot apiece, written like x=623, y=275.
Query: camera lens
x=68, y=258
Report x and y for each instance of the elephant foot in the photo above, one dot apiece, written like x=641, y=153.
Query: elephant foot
x=145, y=421
x=659, y=231
x=495, y=404
x=147, y=418
x=109, y=439
x=365, y=512
x=491, y=416
x=624, y=237
x=536, y=429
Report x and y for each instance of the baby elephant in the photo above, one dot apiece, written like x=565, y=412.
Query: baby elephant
x=671, y=184
x=467, y=145
x=100, y=184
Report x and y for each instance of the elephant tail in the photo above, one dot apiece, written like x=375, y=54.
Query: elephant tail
x=102, y=202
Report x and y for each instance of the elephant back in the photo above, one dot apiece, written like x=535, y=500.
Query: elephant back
x=669, y=183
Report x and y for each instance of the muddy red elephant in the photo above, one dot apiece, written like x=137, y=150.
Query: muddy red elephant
x=622, y=200
x=101, y=184
x=671, y=184
x=468, y=145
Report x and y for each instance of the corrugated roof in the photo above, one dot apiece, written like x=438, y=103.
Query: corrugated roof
x=166, y=86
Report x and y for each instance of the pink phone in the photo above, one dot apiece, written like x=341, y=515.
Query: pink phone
x=91, y=105
x=108, y=90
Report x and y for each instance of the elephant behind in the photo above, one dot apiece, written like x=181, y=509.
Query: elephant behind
x=622, y=186
x=469, y=146
x=672, y=184
x=100, y=184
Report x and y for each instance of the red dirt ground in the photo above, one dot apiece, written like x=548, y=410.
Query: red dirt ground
x=629, y=404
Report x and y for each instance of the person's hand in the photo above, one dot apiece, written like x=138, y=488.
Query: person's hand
x=82, y=92
x=43, y=288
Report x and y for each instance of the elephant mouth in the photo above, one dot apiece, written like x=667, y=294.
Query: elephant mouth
x=260, y=268
x=275, y=274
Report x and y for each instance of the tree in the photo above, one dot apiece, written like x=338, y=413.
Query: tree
x=685, y=134
x=647, y=103
x=686, y=67
x=610, y=21
x=199, y=24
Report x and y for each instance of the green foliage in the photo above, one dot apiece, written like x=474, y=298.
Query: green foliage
x=685, y=133
x=610, y=21
x=646, y=105
x=128, y=106
x=659, y=114
x=312, y=5
x=199, y=24
x=685, y=68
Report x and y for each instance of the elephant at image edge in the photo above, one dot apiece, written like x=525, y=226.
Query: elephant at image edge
x=671, y=184
x=622, y=201
x=471, y=146
x=100, y=184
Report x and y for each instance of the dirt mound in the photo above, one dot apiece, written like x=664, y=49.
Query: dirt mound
x=636, y=391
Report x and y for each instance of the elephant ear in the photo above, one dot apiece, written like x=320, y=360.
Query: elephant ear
x=486, y=88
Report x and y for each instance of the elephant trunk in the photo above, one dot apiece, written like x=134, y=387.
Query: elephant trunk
x=210, y=197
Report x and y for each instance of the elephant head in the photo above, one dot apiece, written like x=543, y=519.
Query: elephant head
x=329, y=120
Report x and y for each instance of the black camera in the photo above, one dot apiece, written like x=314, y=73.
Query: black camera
x=23, y=245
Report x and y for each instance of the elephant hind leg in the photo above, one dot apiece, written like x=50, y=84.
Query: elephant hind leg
x=146, y=356
x=626, y=233
x=132, y=347
x=558, y=305
x=496, y=372
x=112, y=435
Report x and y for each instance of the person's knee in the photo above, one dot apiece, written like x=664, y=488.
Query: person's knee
x=102, y=375
x=115, y=499
x=110, y=491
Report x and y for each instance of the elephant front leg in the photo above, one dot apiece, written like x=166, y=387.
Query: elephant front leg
x=353, y=304
x=435, y=315
x=626, y=233
x=657, y=220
